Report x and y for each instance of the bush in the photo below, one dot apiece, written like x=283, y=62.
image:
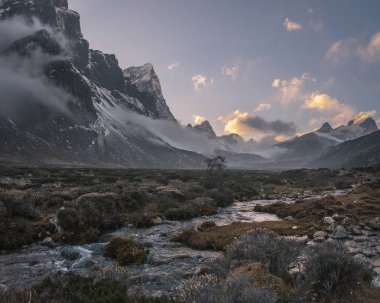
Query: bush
x=332, y=274
x=222, y=197
x=276, y=253
x=72, y=288
x=209, y=289
x=125, y=250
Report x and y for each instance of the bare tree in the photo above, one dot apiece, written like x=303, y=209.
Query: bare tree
x=215, y=170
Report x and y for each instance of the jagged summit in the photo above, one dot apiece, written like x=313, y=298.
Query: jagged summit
x=142, y=83
x=325, y=128
x=203, y=128
x=364, y=121
x=99, y=125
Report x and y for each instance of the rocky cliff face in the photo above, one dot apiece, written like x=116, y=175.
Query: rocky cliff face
x=84, y=116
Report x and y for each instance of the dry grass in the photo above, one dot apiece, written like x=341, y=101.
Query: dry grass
x=219, y=237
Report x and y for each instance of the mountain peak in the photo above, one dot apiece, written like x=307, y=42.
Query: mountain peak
x=325, y=128
x=362, y=117
x=205, y=128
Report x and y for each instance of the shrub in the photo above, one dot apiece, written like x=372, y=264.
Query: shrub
x=276, y=253
x=68, y=219
x=209, y=289
x=332, y=274
x=125, y=250
x=222, y=197
x=183, y=212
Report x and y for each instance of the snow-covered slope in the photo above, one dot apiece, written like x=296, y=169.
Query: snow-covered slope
x=66, y=103
x=314, y=144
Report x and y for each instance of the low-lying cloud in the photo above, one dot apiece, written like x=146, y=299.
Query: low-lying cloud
x=22, y=81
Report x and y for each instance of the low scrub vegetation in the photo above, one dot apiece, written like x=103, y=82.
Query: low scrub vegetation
x=333, y=275
x=126, y=251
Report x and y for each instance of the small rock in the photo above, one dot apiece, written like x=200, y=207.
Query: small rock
x=294, y=227
x=157, y=220
x=339, y=233
x=369, y=252
x=355, y=230
x=288, y=218
x=367, y=228
x=46, y=240
x=320, y=234
x=328, y=220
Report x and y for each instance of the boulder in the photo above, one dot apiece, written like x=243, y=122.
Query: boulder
x=339, y=233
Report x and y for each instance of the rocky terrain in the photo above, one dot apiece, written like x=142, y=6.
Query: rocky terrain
x=160, y=230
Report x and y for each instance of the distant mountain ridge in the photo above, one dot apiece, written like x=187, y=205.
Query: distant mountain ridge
x=360, y=152
x=312, y=145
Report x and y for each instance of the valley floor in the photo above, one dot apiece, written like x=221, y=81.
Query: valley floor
x=169, y=234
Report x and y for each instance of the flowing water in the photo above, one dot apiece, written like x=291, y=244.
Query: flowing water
x=167, y=264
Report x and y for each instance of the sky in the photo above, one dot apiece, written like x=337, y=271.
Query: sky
x=254, y=67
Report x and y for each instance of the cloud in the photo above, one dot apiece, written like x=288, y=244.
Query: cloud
x=174, y=65
x=371, y=52
x=23, y=84
x=292, y=25
x=364, y=115
x=338, y=112
x=291, y=90
x=341, y=50
x=231, y=72
x=198, y=119
x=263, y=106
x=246, y=124
x=201, y=82
x=276, y=83
x=346, y=49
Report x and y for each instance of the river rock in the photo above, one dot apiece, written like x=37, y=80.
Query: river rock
x=370, y=252
x=355, y=230
x=375, y=223
x=157, y=220
x=320, y=234
x=328, y=221
x=288, y=218
x=339, y=233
